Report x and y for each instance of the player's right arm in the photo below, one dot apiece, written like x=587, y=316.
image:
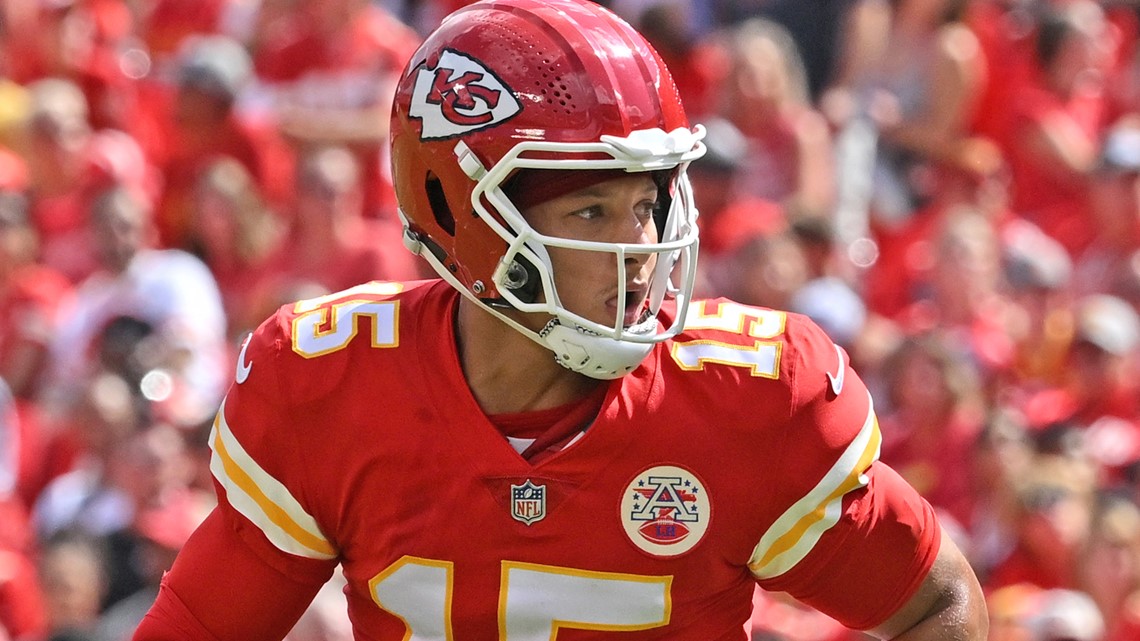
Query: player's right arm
x=219, y=589
x=253, y=566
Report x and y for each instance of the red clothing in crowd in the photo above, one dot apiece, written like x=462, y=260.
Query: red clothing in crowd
x=349, y=69
x=1055, y=200
x=28, y=306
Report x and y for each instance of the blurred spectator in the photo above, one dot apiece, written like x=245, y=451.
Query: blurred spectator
x=1038, y=272
x=1102, y=268
x=933, y=417
x=160, y=532
x=58, y=135
x=22, y=611
x=834, y=305
x=913, y=69
x=202, y=125
x=1005, y=32
x=153, y=470
x=165, y=25
x=1110, y=566
x=1057, y=121
x=84, y=42
x=961, y=295
x=168, y=289
x=330, y=244
x=789, y=155
x=31, y=296
x=1051, y=524
x=85, y=499
x=1002, y=457
x=73, y=573
x=764, y=266
x=329, y=67
x=1103, y=388
x=728, y=216
x=676, y=29
x=1065, y=615
x=235, y=233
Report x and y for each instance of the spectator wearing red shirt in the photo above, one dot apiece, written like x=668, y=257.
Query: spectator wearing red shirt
x=1005, y=32
x=698, y=65
x=960, y=293
x=235, y=233
x=58, y=135
x=1104, y=266
x=86, y=42
x=1103, y=385
x=934, y=416
x=201, y=124
x=1052, y=142
x=1052, y=523
x=329, y=67
x=331, y=246
x=166, y=24
x=1110, y=566
x=31, y=296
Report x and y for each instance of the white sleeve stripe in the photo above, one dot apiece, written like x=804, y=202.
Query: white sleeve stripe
x=798, y=529
x=263, y=499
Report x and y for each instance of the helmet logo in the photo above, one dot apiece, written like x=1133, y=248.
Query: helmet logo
x=457, y=95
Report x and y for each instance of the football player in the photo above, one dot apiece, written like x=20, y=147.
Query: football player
x=551, y=440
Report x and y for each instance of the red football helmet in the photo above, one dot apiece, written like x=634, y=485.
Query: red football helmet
x=504, y=85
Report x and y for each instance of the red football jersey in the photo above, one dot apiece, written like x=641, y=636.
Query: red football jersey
x=743, y=450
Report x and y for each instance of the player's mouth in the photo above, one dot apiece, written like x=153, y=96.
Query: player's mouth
x=635, y=306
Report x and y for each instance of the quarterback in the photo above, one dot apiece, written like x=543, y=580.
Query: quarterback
x=552, y=440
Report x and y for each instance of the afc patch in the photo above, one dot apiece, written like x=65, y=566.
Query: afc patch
x=455, y=94
x=528, y=502
x=665, y=510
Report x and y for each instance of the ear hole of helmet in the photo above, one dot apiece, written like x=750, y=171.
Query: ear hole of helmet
x=439, y=207
x=525, y=274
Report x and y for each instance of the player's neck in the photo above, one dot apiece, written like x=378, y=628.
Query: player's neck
x=506, y=371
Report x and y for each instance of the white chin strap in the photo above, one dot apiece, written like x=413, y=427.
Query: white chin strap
x=593, y=355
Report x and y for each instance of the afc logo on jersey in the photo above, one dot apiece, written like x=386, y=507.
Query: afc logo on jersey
x=455, y=94
x=528, y=502
x=665, y=510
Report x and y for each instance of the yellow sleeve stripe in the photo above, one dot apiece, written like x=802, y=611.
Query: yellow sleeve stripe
x=263, y=499
x=798, y=529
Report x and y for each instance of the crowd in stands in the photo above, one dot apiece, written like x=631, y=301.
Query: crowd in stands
x=950, y=188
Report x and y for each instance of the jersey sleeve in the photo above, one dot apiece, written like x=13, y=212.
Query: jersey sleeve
x=258, y=454
x=855, y=541
x=220, y=588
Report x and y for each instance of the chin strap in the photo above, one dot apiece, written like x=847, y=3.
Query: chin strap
x=593, y=355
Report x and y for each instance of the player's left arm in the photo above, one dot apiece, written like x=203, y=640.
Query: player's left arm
x=861, y=545
x=949, y=603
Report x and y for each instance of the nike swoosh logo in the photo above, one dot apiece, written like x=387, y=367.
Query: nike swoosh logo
x=836, y=381
x=243, y=368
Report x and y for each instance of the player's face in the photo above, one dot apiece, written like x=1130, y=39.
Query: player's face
x=615, y=211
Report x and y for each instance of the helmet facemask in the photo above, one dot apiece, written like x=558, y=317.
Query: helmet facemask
x=524, y=277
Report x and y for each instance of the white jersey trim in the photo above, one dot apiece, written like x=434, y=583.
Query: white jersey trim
x=263, y=499
x=798, y=529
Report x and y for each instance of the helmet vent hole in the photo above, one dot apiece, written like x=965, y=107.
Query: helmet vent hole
x=439, y=208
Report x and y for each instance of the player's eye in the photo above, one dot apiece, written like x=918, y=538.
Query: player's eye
x=588, y=213
x=646, y=209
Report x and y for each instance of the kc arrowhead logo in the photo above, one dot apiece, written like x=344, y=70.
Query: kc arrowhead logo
x=457, y=95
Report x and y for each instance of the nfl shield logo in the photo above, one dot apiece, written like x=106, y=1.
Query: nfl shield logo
x=528, y=502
